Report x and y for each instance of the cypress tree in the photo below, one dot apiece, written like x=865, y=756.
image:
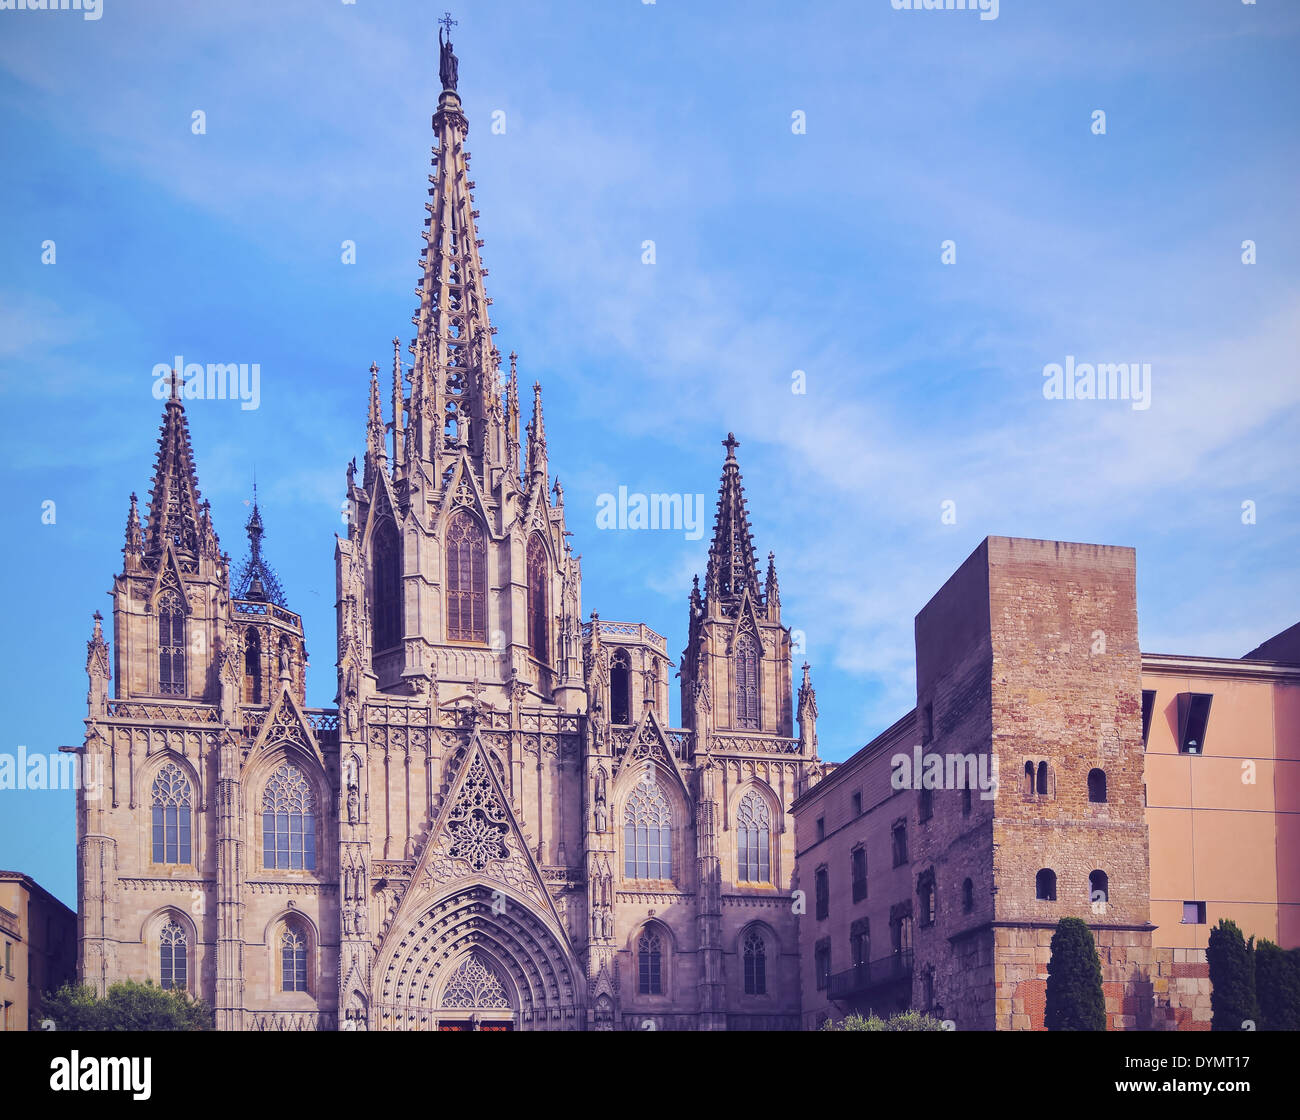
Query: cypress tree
x=1232, y=978
x=1277, y=986
x=1075, y=1001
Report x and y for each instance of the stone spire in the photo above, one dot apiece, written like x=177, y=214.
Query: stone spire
x=399, y=402
x=807, y=714
x=257, y=580
x=512, y=418
x=454, y=355
x=134, y=534
x=376, y=441
x=772, y=592
x=732, y=567
x=174, y=504
x=537, y=436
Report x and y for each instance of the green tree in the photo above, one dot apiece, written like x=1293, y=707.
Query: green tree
x=1075, y=1000
x=128, y=1006
x=1232, y=978
x=903, y=1021
x=1277, y=987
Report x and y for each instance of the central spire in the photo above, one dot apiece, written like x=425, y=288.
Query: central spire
x=455, y=381
x=732, y=568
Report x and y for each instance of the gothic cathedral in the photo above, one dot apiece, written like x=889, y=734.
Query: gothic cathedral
x=496, y=828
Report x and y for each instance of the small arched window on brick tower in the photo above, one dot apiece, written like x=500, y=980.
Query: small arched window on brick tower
x=171, y=643
x=1096, y=785
x=1098, y=888
x=466, y=579
x=538, y=630
x=1027, y=787
x=620, y=687
x=387, y=585
x=1043, y=779
x=1045, y=885
x=747, y=697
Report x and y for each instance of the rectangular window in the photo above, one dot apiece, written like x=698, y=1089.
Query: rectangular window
x=822, y=964
x=927, y=724
x=1148, y=707
x=1194, y=913
x=859, y=874
x=1193, y=720
x=823, y=893
x=821, y=828
x=9, y=959
x=900, y=843
x=857, y=804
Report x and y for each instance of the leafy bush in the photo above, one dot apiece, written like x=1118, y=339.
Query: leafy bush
x=128, y=1006
x=903, y=1021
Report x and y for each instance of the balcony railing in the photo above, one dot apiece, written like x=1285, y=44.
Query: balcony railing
x=866, y=976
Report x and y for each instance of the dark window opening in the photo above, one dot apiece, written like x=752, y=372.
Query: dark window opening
x=1148, y=707
x=859, y=874
x=1045, y=885
x=1193, y=720
x=1096, y=785
x=823, y=889
x=620, y=687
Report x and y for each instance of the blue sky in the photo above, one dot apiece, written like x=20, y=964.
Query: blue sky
x=775, y=252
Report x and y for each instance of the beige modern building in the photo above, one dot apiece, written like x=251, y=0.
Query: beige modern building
x=1148, y=795
x=37, y=948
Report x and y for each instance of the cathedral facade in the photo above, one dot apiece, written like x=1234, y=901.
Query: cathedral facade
x=496, y=827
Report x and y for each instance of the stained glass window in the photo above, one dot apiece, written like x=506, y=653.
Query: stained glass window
x=288, y=822
x=171, y=815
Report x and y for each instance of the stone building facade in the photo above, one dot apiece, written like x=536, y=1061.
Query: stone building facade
x=38, y=948
x=1046, y=774
x=495, y=827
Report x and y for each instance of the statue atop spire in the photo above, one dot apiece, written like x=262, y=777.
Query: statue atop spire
x=447, y=65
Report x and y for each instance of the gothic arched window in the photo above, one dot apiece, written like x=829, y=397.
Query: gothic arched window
x=172, y=798
x=755, y=964
x=538, y=628
x=647, y=834
x=293, y=960
x=753, y=839
x=388, y=587
x=1097, y=785
x=620, y=687
x=252, y=667
x=466, y=579
x=288, y=822
x=747, y=710
x=173, y=962
x=171, y=643
x=649, y=964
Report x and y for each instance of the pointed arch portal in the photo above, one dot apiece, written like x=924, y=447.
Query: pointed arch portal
x=478, y=959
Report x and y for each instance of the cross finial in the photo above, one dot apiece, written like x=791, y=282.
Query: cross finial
x=176, y=385
x=731, y=443
x=448, y=22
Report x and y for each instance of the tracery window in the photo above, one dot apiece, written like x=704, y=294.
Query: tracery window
x=288, y=822
x=387, y=585
x=747, y=708
x=172, y=799
x=293, y=960
x=753, y=839
x=755, y=964
x=173, y=968
x=538, y=629
x=647, y=834
x=171, y=643
x=649, y=957
x=466, y=579
x=475, y=984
